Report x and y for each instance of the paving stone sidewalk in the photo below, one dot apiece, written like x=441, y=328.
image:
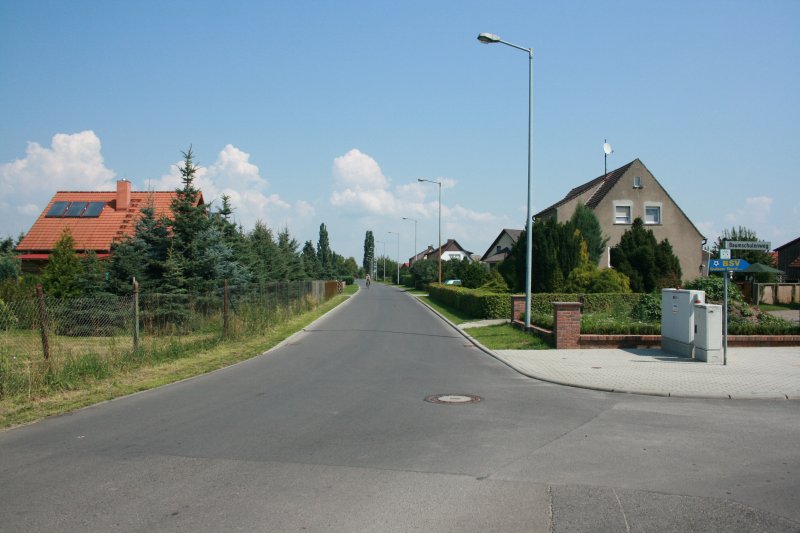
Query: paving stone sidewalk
x=752, y=373
x=763, y=373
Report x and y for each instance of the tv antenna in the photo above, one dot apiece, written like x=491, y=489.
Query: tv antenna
x=607, y=151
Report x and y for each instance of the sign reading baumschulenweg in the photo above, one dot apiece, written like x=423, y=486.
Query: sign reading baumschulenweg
x=748, y=245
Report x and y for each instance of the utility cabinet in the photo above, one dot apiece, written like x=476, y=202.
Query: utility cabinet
x=677, y=320
x=708, y=335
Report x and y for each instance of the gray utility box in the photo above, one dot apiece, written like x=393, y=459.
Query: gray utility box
x=677, y=320
x=708, y=333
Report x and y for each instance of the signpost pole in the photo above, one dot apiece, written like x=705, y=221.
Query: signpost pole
x=725, y=323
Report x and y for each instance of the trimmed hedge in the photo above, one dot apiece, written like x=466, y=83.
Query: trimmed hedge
x=592, y=303
x=475, y=302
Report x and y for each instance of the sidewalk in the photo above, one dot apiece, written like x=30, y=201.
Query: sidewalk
x=751, y=373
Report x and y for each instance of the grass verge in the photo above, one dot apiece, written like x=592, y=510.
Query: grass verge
x=453, y=315
x=507, y=337
x=22, y=410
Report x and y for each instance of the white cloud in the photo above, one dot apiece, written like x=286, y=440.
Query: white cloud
x=73, y=162
x=233, y=174
x=361, y=189
x=359, y=171
x=756, y=210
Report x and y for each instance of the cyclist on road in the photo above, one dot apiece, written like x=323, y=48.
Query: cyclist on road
x=368, y=281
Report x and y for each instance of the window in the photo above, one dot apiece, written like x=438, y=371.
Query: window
x=652, y=214
x=637, y=182
x=622, y=214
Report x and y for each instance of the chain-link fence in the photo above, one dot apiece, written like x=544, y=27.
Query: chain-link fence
x=49, y=342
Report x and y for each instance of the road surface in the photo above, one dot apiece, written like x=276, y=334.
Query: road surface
x=332, y=432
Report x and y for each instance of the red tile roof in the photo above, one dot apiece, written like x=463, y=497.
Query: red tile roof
x=93, y=233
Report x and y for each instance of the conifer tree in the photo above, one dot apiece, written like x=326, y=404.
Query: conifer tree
x=584, y=220
x=263, y=258
x=287, y=248
x=649, y=265
x=60, y=278
x=369, y=251
x=310, y=261
x=324, y=253
x=189, y=219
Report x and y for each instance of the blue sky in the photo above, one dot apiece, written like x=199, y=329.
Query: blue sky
x=309, y=112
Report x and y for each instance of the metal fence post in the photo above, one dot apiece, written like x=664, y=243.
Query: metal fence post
x=42, y=308
x=135, y=315
x=225, y=319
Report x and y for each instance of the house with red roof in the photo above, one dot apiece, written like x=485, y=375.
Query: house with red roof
x=96, y=220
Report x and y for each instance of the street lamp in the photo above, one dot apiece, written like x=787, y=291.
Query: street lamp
x=489, y=38
x=414, y=255
x=439, y=183
x=398, y=255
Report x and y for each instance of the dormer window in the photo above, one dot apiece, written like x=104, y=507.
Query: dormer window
x=637, y=182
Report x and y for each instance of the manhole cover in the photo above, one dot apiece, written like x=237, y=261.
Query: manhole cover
x=453, y=399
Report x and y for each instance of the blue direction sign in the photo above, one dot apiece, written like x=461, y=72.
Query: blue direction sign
x=735, y=265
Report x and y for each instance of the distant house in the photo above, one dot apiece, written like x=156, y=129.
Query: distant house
x=501, y=247
x=789, y=260
x=450, y=250
x=96, y=220
x=631, y=192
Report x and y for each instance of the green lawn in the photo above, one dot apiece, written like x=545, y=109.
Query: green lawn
x=779, y=307
x=453, y=315
x=507, y=337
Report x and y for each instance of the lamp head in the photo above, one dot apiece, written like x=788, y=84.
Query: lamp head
x=488, y=38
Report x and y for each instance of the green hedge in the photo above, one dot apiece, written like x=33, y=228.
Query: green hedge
x=474, y=302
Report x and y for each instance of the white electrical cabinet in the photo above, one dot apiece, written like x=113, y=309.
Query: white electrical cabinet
x=708, y=336
x=677, y=320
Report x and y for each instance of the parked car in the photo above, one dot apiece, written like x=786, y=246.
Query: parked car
x=452, y=282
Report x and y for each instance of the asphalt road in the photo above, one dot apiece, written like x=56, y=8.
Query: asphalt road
x=331, y=432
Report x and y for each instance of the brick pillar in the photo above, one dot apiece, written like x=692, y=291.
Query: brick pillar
x=567, y=324
x=517, y=307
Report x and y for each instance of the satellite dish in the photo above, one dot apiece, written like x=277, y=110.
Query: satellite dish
x=607, y=149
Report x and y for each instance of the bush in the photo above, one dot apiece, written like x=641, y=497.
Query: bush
x=475, y=302
x=648, y=308
x=714, y=289
x=349, y=280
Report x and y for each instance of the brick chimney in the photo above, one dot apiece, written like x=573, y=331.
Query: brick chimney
x=123, y=195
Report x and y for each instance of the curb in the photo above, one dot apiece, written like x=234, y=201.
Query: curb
x=660, y=394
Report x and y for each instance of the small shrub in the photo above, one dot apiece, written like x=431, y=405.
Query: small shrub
x=648, y=308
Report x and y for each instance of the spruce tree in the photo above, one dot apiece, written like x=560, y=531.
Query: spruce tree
x=60, y=278
x=287, y=248
x=264, y=260
x=189, y=219
x=310, y=261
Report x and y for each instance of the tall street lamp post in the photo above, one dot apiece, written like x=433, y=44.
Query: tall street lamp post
x=414, y=255
x=439, y=183
x=489, y=38
x=398, y=255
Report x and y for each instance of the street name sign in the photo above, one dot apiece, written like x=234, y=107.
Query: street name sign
x=763, y=246
x=734, y=265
